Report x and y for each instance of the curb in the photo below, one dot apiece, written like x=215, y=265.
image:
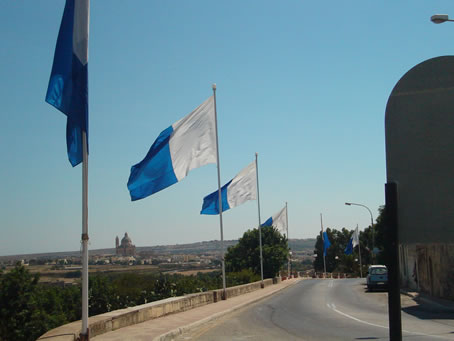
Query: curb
x=433, y=306
x=178, y=331
x=428, y=304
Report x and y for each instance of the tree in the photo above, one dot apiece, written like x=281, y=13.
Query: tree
x=246, y=253
x=380, y=236
x=27, y=310
x=339, y=241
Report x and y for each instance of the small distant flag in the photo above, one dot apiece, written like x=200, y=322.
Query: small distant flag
x=68, y=84
x=187, y=144
x=326, y=243
x=279, y=221
x=349, y=248
x=354, y=240
x=355, y=237
x=241, y=188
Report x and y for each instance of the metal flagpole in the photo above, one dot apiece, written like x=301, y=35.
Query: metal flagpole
x=260, y=223
x=323, y=241
x=85, y=331
x=359, y=250
x=288, y=241
x=220, y=195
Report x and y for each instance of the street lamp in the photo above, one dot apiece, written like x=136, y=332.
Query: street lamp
x=371, y=224
x=439, y=18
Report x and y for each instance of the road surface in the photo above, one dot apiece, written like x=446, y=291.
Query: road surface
x=338, y=309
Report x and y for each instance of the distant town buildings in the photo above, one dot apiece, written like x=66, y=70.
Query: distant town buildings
x=126, y=248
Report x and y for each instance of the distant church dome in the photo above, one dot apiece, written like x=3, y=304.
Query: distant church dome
x=126, y=248
x=126, y=241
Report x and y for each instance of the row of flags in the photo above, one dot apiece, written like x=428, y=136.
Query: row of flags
x=352, y=243
x=189, y=143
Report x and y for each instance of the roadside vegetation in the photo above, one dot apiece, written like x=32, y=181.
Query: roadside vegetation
x=28, y=308
x=246, y=254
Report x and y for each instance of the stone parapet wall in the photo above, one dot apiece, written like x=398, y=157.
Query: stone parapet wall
x=113, y=320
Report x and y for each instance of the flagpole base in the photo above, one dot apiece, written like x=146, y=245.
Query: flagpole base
x=84, y=337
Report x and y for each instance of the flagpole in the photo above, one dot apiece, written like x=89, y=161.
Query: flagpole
x=359, y=250
x=288, y=241
x=323, y=242
x=262, y=285
x=85, y=331
x=220, y=195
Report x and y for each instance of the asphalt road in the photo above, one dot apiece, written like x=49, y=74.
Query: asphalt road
x=339, y=309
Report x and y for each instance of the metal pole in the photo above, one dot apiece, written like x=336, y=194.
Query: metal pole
x=288, y=241
x=323, y=242
x=392, y=244
x=262, y=285
x=373, y=235
x=220, y=195
x=371, y=226
x=359, y=250
x=85, y=331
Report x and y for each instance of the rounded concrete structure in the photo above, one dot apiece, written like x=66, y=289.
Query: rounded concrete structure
x=419, y=125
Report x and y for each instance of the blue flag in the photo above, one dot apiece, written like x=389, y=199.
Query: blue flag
x=326, y=243
x=187, y=144
x=68, y=84
x=349, y=249
x=241, y=188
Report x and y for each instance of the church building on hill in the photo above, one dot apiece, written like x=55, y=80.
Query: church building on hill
x=126, y=248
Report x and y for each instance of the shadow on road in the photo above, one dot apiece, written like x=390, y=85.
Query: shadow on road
x=429, y=312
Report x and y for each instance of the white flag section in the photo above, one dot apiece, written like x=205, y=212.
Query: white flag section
x=279, y=221
x=241, y=188
x=187, y=144
x=355, y=237
x=193, y=141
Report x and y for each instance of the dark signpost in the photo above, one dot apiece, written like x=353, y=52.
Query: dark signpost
x=419, y=126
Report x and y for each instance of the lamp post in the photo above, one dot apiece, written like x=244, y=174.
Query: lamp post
x=439, y=18
x=371, y=224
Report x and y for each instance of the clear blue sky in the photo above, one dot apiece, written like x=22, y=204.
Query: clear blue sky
x=303, y=83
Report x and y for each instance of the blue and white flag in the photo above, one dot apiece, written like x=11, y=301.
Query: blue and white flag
x=241, y=188
x=354, y=240
x=355, y=237
x=187, y=144
x=68, y=84
x=326, y=243
x=279, y=221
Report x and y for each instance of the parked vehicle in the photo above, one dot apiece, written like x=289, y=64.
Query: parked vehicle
x=377, y=277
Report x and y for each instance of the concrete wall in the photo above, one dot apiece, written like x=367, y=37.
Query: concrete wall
x=408, y=266
x=428, y=268
x=113, y=320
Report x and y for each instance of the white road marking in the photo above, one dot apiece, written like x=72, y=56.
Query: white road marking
x=333, y=307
